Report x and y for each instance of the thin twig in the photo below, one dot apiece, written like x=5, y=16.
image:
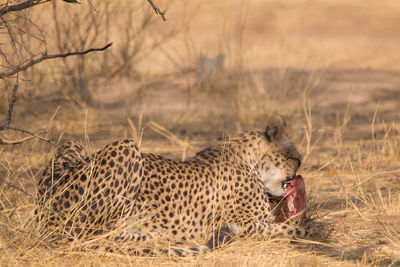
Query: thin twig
x=26, y=132
x=11, y=106
x=157, y=10
x=7, y=123
x=21, y=6
x=46, y=57
x=16, y=187
x=92, y=6
x=21, y=140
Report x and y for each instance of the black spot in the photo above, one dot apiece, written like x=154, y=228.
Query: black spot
x=108, y=175
x=136, y=167
x=126, y=152
x=115, y=143
x=47, y=182
x=83, y=218
x=107, y=192
x=81, y=191
x=131, y=189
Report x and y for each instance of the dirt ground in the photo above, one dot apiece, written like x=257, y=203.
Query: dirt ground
x=330, y=67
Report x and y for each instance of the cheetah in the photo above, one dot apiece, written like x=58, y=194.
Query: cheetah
x=223, y=189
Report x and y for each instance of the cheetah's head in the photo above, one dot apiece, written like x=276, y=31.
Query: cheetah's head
x=272, y=156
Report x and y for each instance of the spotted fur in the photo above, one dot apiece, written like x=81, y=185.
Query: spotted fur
x=223, y=189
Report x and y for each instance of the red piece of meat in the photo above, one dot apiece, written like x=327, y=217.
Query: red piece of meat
x=292, y=205
x=296, y=199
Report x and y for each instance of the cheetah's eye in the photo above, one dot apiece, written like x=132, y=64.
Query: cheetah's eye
x=285, y=184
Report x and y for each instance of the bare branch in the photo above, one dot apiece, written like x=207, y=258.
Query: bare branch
x=32, y=62
x=20, y=6
x=7, y=124
x=72, y=1
x=21, y=140
x=11, y=106
x=157, y=10
x=27, y=4
x=2, y=180
x=2, y=142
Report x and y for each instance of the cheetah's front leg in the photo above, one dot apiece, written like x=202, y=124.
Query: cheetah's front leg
x=230, y=231
x=265, y=229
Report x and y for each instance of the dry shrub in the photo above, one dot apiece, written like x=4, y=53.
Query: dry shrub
x=129, y=25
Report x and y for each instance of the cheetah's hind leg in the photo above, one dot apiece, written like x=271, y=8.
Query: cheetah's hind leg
x=67, y=157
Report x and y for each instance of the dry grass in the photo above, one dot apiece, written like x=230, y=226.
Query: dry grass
x=337, y=84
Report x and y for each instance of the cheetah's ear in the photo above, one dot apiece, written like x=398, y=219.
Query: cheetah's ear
x=276, y=128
